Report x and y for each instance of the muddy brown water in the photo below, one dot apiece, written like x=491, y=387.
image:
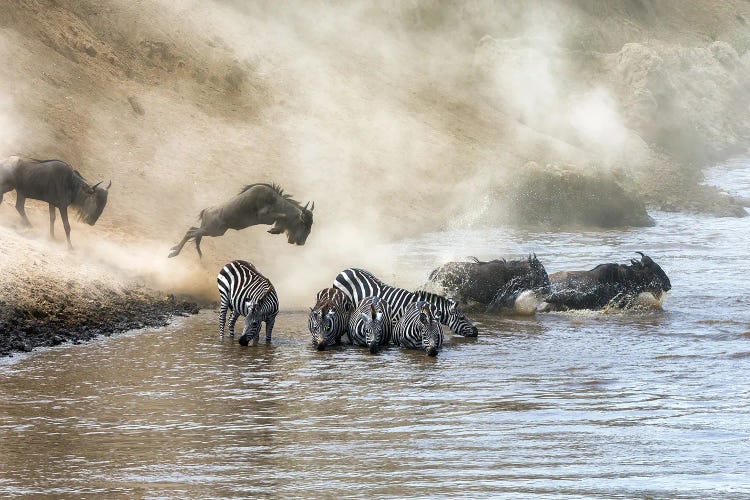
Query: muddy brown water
x=629, y=404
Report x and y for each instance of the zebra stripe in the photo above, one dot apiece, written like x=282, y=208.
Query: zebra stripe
x=329, y=318
x=419, y=329
x=370, y=324
x=246, y=292
x=358, y=284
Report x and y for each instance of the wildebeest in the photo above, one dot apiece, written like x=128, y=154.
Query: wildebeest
x=329, y=318
x=496, y=283
x=255, y=204
x=55, y=182
x=418, y=329
x=614, y=285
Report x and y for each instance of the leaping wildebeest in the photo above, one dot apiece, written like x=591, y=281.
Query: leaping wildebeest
x=55, y=182
x=255, y=204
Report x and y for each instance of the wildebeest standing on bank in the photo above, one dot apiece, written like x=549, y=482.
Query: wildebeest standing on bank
x=255, y=204
x=614, y=285
x=55, y=182
x=496, y=283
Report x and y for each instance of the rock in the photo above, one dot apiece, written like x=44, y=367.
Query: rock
x=136, y=105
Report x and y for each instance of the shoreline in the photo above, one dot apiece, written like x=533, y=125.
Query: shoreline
x=23, y=329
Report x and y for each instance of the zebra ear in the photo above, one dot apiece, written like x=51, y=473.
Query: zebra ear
x=365, y=316
x=423, y=318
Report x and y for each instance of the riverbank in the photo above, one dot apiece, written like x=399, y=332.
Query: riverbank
x=50, y=296
x=26, y=326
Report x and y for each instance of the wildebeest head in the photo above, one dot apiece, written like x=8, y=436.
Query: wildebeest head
x=322, y=326
x=93, y=201
x=296, y=226
x=650, y=276
x=374, y=326
x=429, y=329
x=458, y=322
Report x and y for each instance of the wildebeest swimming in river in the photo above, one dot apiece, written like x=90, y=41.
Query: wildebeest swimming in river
x=55, y=182
x=496, y=283
x=614, y=285
x=255, y=204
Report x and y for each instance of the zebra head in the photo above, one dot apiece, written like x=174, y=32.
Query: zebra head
x=455, y=318
x=252, y=323
x=374, y=325
x=323, y=327
x=429, y=329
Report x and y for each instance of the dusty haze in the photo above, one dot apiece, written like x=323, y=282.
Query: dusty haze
x=395, y=118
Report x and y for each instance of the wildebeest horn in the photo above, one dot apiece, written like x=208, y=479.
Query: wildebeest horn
x=109, y=185
x=312, y=207
x=305, y=207
x=645, y=258
x=96, y=185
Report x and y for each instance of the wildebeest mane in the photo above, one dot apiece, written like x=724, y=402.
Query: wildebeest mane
x=276, y=188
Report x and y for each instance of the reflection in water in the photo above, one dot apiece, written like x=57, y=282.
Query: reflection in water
x=604, y=404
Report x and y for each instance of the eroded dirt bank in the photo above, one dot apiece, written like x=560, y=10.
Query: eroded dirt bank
x=49, y=295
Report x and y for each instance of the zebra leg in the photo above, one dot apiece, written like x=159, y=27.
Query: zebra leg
x=51, y=221
x=232, y=321
x=222, y=316
x=269, y=327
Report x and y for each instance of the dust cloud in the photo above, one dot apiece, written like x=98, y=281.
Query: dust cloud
x=395, y=118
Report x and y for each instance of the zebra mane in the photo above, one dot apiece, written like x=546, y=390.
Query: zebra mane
x=277, y=189
x=430, y=297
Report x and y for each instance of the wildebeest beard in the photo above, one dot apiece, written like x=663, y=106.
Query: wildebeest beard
x=90, y=205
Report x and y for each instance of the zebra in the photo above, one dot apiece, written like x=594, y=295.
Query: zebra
x=358, y=284
x=248, y=293
x=329, y=317
x=370, y=324
x=418, y=329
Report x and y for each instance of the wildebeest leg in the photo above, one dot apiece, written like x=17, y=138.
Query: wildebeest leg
x=178, y=247
x=51, y=221
x=193, y=233
x=269, y=327
x=20, y=202
x=198, y=246
x=232, y=321
x=66, y=225
x=222, y=316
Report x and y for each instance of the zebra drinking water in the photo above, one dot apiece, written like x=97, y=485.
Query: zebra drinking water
x=358, y=284
x=370, y=324
x=329, y=318
x=418, y=329
x=246, y=292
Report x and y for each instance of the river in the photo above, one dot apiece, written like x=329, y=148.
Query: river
x=617, y=404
